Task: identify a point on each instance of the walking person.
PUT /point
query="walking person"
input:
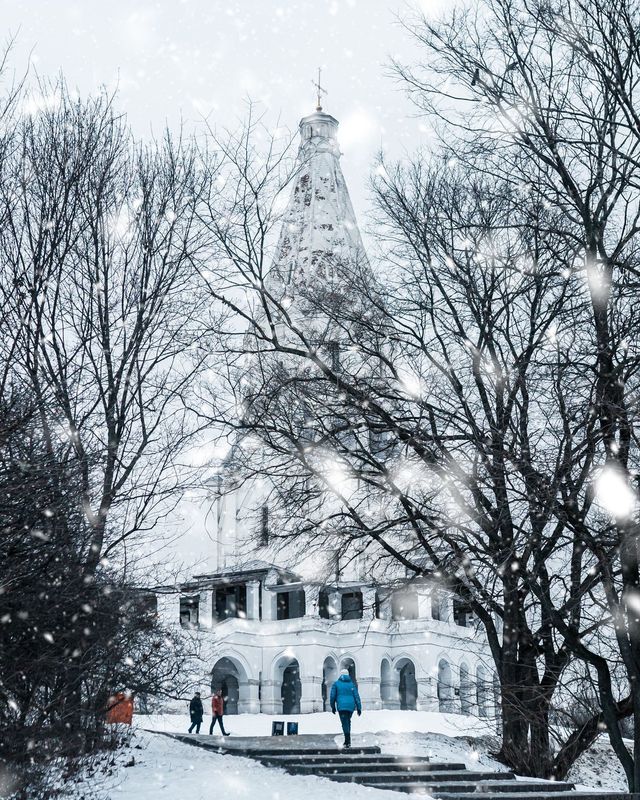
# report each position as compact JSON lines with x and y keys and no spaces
{"x":217,"y":711}
{"x":196,"y":712}
{"x":345,"y":698}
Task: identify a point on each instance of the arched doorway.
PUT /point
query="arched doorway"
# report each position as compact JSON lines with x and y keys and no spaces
{"x":350,"y":665}
{"x":229,"y":676}
{"x":291,"y":688}
{"x":481,"y":690}
{"x":407,"y":685}
{"x":445,"y":687}
{"x":329,"y":677}
{"x":465,"y":689}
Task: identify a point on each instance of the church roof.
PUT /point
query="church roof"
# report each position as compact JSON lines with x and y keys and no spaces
{"x":319,"y":243}
{"x":246,"y":570}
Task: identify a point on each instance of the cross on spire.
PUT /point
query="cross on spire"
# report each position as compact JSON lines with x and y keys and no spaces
{"x":320,"y":91}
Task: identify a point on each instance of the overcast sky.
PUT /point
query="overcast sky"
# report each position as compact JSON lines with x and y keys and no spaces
{"x":182,"y":60}
{"x":189,"y":59}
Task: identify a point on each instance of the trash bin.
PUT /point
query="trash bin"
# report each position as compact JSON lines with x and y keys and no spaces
{"x":292,"y":728}
{"x":277,"y":728}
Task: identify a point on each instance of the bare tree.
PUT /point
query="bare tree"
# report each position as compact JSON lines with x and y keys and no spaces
{"x":542,"y":96}
{"x":101,"y":346}
{"x":100,"y":249}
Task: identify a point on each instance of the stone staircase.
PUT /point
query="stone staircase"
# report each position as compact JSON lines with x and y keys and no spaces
{"x":416,"y":775}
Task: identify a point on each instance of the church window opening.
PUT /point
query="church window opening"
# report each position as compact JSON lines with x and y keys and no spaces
{"x":323,"y":605}
{"x":462,"y":613}
{"x":264,"y":525}
{"x":231,"y":601}
{"x":352,"y":605}
{"x":290,"y":605}
{"x":334,"y":355}
{"x":189,"y":611}
{"x":378,"y":606}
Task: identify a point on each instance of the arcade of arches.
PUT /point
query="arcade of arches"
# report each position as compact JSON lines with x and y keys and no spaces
{"x":399,"y":685}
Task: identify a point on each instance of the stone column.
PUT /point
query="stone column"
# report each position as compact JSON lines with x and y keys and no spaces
{"x":205,"y":618}
{"x":250,"y":702}
{"x":311,"y":696}
{"x":424,"y":602}
{"x":169,"y":607}
{"x":271,"y":699}
{"x":335,"y":605}
{"x":369,"y":690}
{"x":368,"y":602}
{"x":427,"y":693}
{"x":385,"y":605}
{"x":253,"y":600}
{"x":269,"y":604}
{"x":390,"y":688}
{"x":311,"y":603}
{"x":446,"y":607}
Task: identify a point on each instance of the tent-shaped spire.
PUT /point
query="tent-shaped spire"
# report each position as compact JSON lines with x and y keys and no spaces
{"x":320,"y":242}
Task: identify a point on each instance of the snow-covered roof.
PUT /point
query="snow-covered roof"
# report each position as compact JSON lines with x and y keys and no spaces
{"x":243,"y":571}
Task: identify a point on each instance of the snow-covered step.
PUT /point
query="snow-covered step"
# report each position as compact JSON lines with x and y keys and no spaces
{"x":539,"y":792}
{"x":396,"y":776}
{"x":267,"y":746}
{"x":318,"y":755}
{"x":448,"y":790}
{"x":364,"y":764}
{"x":351,"y":757}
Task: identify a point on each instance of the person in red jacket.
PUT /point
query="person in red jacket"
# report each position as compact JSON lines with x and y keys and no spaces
{"x":217,"y":711}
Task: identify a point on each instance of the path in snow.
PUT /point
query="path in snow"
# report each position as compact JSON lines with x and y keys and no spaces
{"x":325,"y":722}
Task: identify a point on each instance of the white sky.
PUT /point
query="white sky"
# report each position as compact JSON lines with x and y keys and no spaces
{"x":186,"y":59}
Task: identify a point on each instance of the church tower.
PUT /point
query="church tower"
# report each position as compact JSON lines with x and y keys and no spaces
{"x":320,"y":245}
{"x":317,"y":262}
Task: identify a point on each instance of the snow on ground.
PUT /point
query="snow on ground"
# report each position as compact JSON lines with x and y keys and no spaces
{"x":166,"y":769}
{"x":442,"y":737}
{"x":599,"y":768}
{"x":325,"y":722}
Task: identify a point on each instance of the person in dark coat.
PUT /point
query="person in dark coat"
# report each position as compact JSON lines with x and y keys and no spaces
{"x":345,"y":698}
{"x":217,"y":710}
{"x":196,"y":712}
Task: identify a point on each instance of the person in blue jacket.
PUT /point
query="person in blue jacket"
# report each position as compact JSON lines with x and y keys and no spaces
{"x":345,"y":698}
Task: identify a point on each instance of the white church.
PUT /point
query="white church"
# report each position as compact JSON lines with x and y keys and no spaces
{"x":275,"y":640}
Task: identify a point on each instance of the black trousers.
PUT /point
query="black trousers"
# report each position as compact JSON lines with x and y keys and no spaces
{"x":218,"y":719}
{"x":345,"y":721}
{"x":195,"y":724}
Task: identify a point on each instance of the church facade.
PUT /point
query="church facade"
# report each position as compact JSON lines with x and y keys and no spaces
{"x":270,"y":636}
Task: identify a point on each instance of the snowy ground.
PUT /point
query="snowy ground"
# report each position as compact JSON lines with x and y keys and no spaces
{"x":164,"y":769}
{"x":369,"y":722}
